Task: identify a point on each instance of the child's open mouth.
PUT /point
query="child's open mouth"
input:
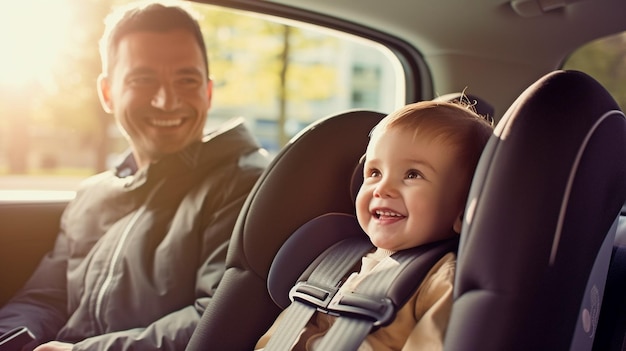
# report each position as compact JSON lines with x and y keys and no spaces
{"x":386,"y":214}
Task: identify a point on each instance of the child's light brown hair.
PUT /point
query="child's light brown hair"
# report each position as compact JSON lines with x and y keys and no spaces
{"x":453,"y":123}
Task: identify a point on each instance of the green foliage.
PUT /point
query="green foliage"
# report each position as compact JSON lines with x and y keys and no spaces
{"x":605,"y":60}
{"x":245,"y":54}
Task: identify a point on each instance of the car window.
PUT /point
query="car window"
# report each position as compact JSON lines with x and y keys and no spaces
{"x":605,"y":60}
{"x":279,"y":76}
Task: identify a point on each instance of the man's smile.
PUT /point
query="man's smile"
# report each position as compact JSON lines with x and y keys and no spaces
{"x":169,"y":122}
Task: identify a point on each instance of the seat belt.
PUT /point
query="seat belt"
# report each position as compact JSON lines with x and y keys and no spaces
{"x":323,"y":279}
{"x":383,"y":292}
{"x":371,"y":305}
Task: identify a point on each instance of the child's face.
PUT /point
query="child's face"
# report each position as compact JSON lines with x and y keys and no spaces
{"x":413,"y":191}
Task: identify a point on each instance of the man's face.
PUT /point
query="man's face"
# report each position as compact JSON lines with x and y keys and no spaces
{"x":413,"y":191}
{"x":158,"y":92}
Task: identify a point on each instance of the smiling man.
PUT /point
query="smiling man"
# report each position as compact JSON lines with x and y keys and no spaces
{"x":141,"y":249}
{"x":158,"y":91}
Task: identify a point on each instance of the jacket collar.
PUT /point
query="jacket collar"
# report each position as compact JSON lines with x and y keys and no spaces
{"x":230,"y":138}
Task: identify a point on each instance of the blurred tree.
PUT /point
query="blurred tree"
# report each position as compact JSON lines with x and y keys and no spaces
{"x":267,"y":67}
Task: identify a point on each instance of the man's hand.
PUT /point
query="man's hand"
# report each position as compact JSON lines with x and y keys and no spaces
{"x":54,"y":346}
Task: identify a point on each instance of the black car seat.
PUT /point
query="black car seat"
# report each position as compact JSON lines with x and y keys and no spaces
{"x":540,"y":221}
{"x":309,"y":177}
{"x":309,"y":267}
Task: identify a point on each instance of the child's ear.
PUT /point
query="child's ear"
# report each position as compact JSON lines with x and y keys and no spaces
{"x":458,"y":223}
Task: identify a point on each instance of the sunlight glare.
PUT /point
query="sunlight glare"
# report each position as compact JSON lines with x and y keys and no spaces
{"x":32,"y":37}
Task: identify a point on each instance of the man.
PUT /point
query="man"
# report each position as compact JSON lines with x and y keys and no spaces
{"x":142,"y":247}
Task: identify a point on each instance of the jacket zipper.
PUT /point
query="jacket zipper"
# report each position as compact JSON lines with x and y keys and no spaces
{"x":116,"y":256}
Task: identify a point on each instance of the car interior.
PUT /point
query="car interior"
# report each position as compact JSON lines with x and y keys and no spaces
{"x":542,"y":254}
{"x":534,"y":250}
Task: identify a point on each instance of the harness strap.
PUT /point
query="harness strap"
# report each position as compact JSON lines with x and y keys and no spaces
{"x":295,"y":318}
{"x":316,"y":292}
{"x":380,"y":294}
{"x":372,"y":304}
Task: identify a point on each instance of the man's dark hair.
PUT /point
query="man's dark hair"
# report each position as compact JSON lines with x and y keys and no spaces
{"x":146,"y":17}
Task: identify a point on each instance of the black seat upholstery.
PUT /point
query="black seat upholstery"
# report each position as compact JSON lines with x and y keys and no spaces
{"x":309,"y":177}
{"x":611,"y":333}
{"x":541,"y":220}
